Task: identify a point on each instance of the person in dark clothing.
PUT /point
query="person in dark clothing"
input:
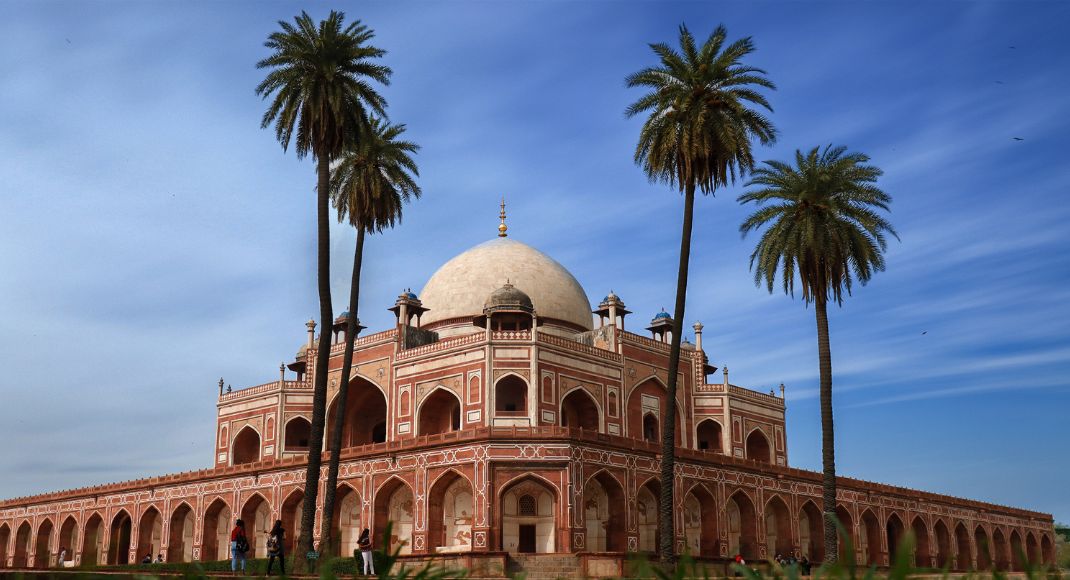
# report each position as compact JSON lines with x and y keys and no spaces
{"x":275,"y":547}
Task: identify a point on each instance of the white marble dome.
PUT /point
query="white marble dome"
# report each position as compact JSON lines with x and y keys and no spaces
{"x":460,"y":288}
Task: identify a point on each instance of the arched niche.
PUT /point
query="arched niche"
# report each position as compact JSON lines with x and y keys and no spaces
{"x":811,"y":532}
{"x":511,"y":396}
{"x":180,"y":536}
{"x":119,"y":542}
{"x":708,"y":436}
{"x":450,"y":511}
{"x":700,"y":522}
{"x":742,"y":526}
{"x":440,"y":412}
{"x":246,"y":447}
{"x":365,"y":414}
{"x":394,"y":503}
{"x":298,"y":433}
{"x":757,"y":447}
{"x":256,"y":513}
{"x":215,"y":537}
{"x":579,"y":411}
{"x":604,"y":511}
{"x":777,"y":527}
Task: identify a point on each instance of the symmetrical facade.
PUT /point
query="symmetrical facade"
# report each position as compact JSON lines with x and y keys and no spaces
{"x":497,"y":417}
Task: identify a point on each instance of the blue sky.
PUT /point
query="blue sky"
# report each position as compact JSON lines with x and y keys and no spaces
{"x":154,"y":238}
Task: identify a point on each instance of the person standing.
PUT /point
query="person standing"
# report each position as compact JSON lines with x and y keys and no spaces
{"x":239,"y":545}
{"x":364,"y":542}
{"x":275,"y":549}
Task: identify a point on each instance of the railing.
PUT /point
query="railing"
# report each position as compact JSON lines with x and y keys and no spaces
{"x":749,"y":394}
{"x":644,"y":341}
{"x":448,"y":343}
{"x":510,"y":335}
{"x":265,"y":388}
{"x":360,"y":341}
{"x":580,"y":347}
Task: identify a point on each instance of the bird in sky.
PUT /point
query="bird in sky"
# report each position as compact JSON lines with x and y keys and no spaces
{"x":1018,"y":139}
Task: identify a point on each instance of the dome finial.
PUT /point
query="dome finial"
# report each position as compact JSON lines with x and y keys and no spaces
{"x":502,"y":228}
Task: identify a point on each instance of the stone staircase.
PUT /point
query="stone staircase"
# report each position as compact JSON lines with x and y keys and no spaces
{"x":545,"y":566}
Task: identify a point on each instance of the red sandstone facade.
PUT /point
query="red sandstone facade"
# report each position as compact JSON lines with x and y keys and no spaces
{"x":515,"y":430}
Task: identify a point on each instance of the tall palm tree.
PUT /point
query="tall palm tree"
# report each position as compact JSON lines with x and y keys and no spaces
{"x":318,"y":81}
{"x":698,"y":137}
{"x":371,"y":182}
{"x":824,"y":231}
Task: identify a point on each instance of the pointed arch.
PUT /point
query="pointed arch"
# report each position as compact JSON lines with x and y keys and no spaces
{"x":245,"y":448}
{"x":346,"y":521}
{"x":180,"y":536}
{"x":580,"y":410}
{"x":700,"y":522}
{"x":777,"y":526}
{"x":757,"y":446}
{"x":511,"y":395}
{"x":984,"y":548}
{"x":150,"y":533}
{"x":528,"y":515}
{"x":215,"y":530}
{"x":439,"y":412}
{"x":709,"y":435}
{"x":256,"y":513}
{"x":43,"y":547}
{"x":297,"y":433}
{"x":846,"y":550}
{"x":93,"y":540}
{"x":869,"y":538}
{"x":811,"y":531}
{"x":366,"y":412}
{"x":22,"y":545}
{"x":394,"y":503}
{"x":742,"y":525}
{"x":1000,"y":551}
{"x":1032,"y":550}
{"x":894,"y":530}
{"x":922,"y":543}
{"x":5,"y":538}
{"x":1047,"y":550}
{"x":68,"y":539}
{"x":942,"y":536}
{"x":119,"y":542}
{"x":604,"y":512}
{"x":291,"y":518}
{"x":648,"y":505}
{"x":1019,"y":559}
{"x":450,"y":513}
{"x":964,"y":553}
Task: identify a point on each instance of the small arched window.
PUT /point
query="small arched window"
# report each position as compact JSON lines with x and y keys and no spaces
{"x":528,"y":507}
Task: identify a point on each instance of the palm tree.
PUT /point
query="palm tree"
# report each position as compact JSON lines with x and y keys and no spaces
{"x":371,"y":182}
{"x":697,"y":137}
{"x":824,"y":230}
{"x":318,"y":80}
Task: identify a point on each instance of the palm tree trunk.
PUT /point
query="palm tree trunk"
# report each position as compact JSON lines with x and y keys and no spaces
{"x":828,"y":449}
{"x":323,"y":354}
{"x":666,"y":524}
{"x":327,"y":531}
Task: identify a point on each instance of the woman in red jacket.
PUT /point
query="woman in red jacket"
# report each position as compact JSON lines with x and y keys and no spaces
{"x":239,"y":544}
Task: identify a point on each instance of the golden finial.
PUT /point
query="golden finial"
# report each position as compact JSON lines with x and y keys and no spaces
{"x":502,"y":228}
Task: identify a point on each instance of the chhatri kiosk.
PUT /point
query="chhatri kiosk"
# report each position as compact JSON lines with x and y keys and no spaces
{"x":499,"y":422}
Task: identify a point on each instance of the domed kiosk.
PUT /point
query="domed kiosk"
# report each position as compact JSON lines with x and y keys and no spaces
{"x":457,"y":293}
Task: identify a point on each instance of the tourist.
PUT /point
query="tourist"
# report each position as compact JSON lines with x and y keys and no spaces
{"x":365,"y":545}
{"x":159,"y":558}
{"x":805,"y":565}
{"x":239,"y":545}
{"x":62,"y":556}
{"x":780,"y":560}
{"x":275,"y":544}
{"x":147,"y":559}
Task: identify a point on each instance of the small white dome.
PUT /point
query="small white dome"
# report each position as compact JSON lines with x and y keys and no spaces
{"x":461,"y":286}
